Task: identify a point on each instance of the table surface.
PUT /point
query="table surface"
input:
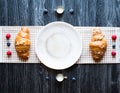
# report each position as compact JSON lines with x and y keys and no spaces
{"x":36,"y":78}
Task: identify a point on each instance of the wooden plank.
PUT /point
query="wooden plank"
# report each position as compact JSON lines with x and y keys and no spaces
{"x":3,"y":12}
{"x":35,"y":12}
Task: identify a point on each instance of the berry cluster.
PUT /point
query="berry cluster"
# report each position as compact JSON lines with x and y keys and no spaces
{"x":8,"y":53}
{"x":113,"y":53}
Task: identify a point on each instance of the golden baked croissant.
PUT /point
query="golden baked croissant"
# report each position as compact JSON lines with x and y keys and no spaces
{"x":98,"y":44}
{"x":22,"y":43}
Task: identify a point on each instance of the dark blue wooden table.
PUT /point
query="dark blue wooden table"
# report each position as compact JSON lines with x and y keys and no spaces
{"x":36,"y":78}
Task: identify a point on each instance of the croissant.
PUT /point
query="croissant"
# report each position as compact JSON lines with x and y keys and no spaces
{"x":98,"y":44}
{"x":22,"y":43}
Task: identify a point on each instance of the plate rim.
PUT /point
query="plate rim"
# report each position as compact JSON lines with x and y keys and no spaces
{"x":63,"y":23}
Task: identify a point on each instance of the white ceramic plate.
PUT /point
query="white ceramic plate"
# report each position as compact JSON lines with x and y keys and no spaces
{"x":58,"y":45}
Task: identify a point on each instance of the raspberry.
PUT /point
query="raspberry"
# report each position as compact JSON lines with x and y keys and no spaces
{"x":8,"y":36}
{"x":113,"y":53}
{"x":114,"y":37}
{"x":9,"y":53}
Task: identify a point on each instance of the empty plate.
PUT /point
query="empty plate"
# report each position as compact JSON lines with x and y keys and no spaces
{"x":58,"y":45}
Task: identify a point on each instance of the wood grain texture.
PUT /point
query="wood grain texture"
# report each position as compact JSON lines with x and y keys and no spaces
{"x":31,"y":78}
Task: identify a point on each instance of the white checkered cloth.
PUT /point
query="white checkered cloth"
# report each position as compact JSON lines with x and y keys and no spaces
{"x":85,"y":33}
